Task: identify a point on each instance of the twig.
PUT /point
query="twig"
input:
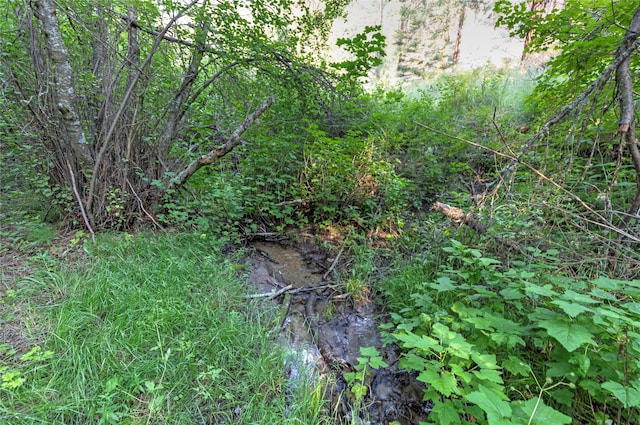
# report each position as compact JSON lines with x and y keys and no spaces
{"x":125,"y":101}
{"x":271,"y":295}
{"x":604,"y":223}
{"x":142,"y":206}
{"x":333,"y":264}
{"x":84,"y":213}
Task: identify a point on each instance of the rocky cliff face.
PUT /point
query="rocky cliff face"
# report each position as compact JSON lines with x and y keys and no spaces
{"x":424,"y":36}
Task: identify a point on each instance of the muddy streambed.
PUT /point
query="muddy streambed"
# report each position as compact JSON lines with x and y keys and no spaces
{"x":324,"y":331}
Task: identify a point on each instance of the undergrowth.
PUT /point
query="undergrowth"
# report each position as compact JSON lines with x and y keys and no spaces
{"x":523,"y":344}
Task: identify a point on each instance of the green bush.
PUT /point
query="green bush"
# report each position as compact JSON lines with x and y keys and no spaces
{"x":520,"y":345}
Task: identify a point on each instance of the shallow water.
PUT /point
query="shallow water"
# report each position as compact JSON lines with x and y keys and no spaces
{"x":325,"y":333}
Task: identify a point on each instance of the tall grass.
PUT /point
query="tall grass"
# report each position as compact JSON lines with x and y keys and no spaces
{"x":151,"y":330}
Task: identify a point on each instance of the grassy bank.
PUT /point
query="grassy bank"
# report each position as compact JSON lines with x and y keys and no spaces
{"x":145,"y":330}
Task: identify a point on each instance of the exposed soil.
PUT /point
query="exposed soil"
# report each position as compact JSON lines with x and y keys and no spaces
{"x":323,"y":325}
{"x":13,"y":329}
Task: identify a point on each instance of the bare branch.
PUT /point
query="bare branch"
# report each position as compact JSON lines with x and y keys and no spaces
{"x":604,"y":223}
{"x":79,"y":199}
{"x":601,"y":80}
{"x":233,"y":141}
{"x":125,"y":101}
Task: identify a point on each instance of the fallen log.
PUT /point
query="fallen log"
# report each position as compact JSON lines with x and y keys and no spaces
{"x":458,"y":216}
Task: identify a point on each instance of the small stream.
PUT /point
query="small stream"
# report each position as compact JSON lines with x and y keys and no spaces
{"x":325,"y":331}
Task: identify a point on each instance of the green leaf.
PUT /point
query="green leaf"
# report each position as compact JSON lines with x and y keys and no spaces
{"x":498,"y":411}
{"x":445,"y":383}
{"x":454,"y":343}
{"x":369,"y":351}
{"x":628,"y":396}
{"x":570,"y":335}
{"x":516,"y":366}
{"x":538,"y":413}
{"x":559,"y":369}
{"x":632,"y":307}
{"x":444,"y":284}
{"x":581,"y":298}
{"x":591,"y":386}
{"x":485,"y":361}
{"x":544,"y":291}
{"x":423,"y":342}
{"x":372,"y":357}
{"x":377,"y":362}
{"x":512,"y":294}
{"x":583,"y":362}
{"x":571,"y":308}
{"x":411,"y":361}
{"x":489,"y":375}
{"x":446,"y":413}
{"x":459,"y":371}
{"x":600,"y":293}
{"x":606,"y":283}
{"x":563,"y":395}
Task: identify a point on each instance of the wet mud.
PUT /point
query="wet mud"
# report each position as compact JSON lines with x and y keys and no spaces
{"x":325,"y":330}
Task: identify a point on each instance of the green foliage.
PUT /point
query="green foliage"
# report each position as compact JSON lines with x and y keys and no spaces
{"x":368,"y":47}
{"x":522,"y":345}
{"x":358,"y":380}
{"x":585,"y":35}
{"x":348,"y":180}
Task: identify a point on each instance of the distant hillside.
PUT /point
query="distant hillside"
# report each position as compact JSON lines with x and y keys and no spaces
{"x":425,"y":36}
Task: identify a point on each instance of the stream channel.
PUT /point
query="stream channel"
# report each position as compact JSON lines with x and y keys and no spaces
{"x":324,"y":330}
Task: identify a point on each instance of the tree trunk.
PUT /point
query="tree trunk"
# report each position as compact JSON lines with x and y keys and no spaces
{"x":63,"y":76}
{"x":461,"y":19}
{"x":627,"y":111}
{"x":177,"y":107}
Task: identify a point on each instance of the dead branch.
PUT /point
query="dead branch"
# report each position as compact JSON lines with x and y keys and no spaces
{"x":271,"y":295}
{"x":292,"y":202}
{"x":333,"y":264}
{"x":458,"y":216}
{"x":141,"y":205}
{"x":233,"y":141}
{"x":79,"y":199}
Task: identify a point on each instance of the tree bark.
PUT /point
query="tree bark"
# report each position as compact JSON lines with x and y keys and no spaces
{"x":627,"y":111}
{"x":63,"y":77}
{"x":177,"y":107}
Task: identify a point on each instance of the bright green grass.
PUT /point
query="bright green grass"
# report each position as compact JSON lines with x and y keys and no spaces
{"x":152,"y":330}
